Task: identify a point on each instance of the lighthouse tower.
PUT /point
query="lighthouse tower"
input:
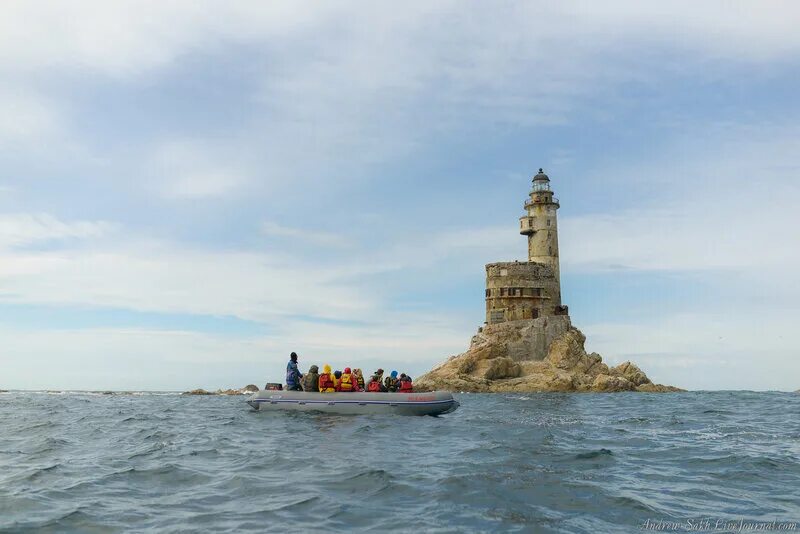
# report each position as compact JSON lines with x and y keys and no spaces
{"x":529,"y":290}
{"x":540,"y":224}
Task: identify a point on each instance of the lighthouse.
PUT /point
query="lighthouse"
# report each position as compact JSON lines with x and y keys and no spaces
{"x":529,"y":290}
{"x":540,"y":224}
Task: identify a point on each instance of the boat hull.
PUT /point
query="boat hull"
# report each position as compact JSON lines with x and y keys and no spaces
{"x":434,"y":403}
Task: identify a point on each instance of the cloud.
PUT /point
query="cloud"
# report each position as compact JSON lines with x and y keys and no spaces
{"x":26,"y":117}
{"x":25,"y":228}
{"x":193,"y":170}
{"x":726,"y":205}
{"x":309,"y":235}
{"x":705,"y":349}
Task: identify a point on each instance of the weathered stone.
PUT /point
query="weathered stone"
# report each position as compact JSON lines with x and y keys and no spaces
{"x":509,"y":357}
{"x":498,"y":368}
{"x":250,"y":388}
{"x":611,"y":383}
{"x":632,"y":373}
{"x":198,"y":392}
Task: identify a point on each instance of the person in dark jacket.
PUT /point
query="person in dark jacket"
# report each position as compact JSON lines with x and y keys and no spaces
{"x":391,"y":382}
{"x":311,"y":380}
{"x":293,"y":374}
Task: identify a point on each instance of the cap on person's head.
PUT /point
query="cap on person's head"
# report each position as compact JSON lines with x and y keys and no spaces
{"x":379,"y":371}
{"x":347,"y":370}
{"x":293,"y":355}
{"x":394,"y":374}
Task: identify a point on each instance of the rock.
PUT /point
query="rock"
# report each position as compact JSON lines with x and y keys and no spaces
{"x":612,"y":383}
{"x":632,"y":373}
{"x":657,"y":388}
{"x":250,"y":388}
{"x":545,"y":354}
{"x":498,"y":368}
{"x":198,"y":392}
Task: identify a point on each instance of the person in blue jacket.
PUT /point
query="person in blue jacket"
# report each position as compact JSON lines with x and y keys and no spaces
{"x":293,"y":374}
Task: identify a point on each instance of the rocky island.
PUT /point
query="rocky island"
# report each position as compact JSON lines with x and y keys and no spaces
{"x":528,"y":342}
{"x":545,"y":354}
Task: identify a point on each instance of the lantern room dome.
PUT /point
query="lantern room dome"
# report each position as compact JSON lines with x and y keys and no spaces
{"x":541,"y":177}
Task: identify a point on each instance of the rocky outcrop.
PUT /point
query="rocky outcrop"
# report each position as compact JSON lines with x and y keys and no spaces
{"x":545,"y":354}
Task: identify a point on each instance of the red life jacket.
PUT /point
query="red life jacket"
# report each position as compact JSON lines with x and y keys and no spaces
{"x":405,"y":386}
{"x":374,"y":386}
{"x":326,"y":383}
{"x":346,"y":383}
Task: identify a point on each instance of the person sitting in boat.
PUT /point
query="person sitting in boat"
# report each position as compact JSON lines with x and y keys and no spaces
{"x":311,"y":380}
{"x":391,"y":382}
{"x":376,"y":382}
{"x":293,"y":374}
{"x":405,"y":385}
{"x":326,"y":380}
{"x":347,"y":382}
{"x":337,"y":379}
{"x":359,"y":379}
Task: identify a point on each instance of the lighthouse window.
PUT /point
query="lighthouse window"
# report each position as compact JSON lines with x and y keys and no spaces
{"x":549,"y":250}
{"x":488,"y":292}
{"x":548,"y":222}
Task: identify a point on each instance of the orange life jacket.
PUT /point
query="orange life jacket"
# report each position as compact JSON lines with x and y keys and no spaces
{"x":405,"y":386}
{"x":374,"y":386}
{"x":346,"y":382}
{"x":326,"y":383}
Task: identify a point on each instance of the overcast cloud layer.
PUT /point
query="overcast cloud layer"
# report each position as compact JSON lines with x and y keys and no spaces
{"x":191,"y":190}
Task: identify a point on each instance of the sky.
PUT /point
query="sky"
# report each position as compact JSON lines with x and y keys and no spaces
{"x":191,"y":190}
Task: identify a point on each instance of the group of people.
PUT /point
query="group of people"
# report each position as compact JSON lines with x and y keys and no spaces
{"x":345,"y":381}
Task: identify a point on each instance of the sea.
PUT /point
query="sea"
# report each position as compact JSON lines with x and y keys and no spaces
{"x":549,"y":462}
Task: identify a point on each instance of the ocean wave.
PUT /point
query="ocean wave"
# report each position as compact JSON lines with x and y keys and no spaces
{"x":162,"y":462}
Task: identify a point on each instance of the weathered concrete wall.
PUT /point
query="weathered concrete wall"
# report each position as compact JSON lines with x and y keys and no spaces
{"x":543,"y":242}
{"x":518,"y":291}
{"x":540,"y":224}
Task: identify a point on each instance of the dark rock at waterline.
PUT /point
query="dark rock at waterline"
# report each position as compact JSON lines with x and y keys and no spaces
{"x":197,"y":392}
{"x":250,"y":388}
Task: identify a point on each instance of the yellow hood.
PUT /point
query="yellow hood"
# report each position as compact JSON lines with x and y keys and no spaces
{"x":326,"y":369}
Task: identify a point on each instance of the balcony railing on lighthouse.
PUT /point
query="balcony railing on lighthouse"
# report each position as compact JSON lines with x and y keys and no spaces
{"x":531,"y":202}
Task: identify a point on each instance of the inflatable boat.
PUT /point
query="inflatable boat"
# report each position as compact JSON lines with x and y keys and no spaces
{"x":435,"y":403}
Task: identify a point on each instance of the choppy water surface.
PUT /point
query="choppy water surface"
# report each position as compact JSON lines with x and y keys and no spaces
{"x":538,"y":462}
